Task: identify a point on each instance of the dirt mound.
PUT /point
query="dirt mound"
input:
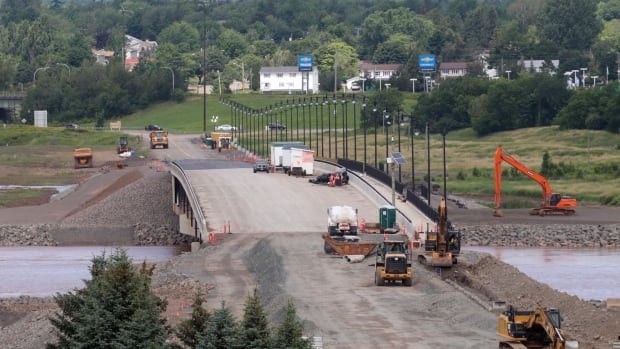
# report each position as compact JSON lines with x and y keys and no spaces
{"x":590,"y":324}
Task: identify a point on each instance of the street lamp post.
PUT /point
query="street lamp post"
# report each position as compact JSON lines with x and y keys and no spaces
{"x":583,"y":76}
{"x":413,"y":84}
{"x":508,"y":72}
{"x":385,"y":130}
{"x":374,"y":118}
{"x":34,"y":76}
{"x":66,"y":66}
{"x":575,"y":71}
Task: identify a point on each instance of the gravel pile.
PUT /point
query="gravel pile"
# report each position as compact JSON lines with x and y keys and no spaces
{"x":556,"y":235}
{"x":29,"y":235}
{"x":142,"y":208}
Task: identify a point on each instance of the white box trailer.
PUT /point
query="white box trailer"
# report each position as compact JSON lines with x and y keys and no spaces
{"x":302,"y":162}
{"x":286,"y":154}
{"x":276,"y":151}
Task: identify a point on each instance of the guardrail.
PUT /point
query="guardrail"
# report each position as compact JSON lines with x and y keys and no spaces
{"x":200,"y":220}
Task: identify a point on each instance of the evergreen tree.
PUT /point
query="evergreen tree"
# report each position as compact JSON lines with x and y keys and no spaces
{"x":290,"y":332}
{"x":255,"y":327}
{"x":115,"y":309}
{"x":221,"y":331}
{"x":189,"y":330}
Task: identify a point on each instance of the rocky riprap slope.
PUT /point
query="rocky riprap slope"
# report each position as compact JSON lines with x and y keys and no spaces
{"x":142,"y":207}
{"x":549,"y":235}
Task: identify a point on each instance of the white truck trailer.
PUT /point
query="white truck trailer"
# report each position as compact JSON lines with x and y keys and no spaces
{"x":276,"y":152}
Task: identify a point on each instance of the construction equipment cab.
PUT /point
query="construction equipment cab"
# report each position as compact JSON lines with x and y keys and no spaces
{"x":540,"y":328}
{"x":552,"y":204}
{"x":123,"y":145}
{"x":393,"y":263}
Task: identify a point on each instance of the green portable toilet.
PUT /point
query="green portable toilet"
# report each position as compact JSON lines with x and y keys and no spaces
{"x":387,"y":216}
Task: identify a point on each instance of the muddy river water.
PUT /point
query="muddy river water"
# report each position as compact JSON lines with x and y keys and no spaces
{"x":44,"y":271}
{"x":590,"y":274}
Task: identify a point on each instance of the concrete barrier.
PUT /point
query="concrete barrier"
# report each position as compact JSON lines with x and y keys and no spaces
{"x":195,"y":246}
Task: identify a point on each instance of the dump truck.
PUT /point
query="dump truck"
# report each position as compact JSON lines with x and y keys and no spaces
{"x":348,"y":246}
{"x":539,"y":328}
{"x":221,"y":140}
{"x":159,"y":138}
{"x":393,"y":263}
{"x":83,"y":157}
{"x":341,"y":220}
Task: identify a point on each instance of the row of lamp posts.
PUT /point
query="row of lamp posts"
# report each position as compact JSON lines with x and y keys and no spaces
{"x":252,"y":132}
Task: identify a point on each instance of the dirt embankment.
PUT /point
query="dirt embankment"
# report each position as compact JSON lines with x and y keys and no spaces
{"x":273,"y":264}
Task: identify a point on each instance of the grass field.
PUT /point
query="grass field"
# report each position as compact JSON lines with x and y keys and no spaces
{"x":593,"y":157}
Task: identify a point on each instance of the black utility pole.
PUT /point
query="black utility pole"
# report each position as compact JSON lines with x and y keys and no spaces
{"x":445,"y":190}
{"x":204,"y":71}
{"x":428,"y":162}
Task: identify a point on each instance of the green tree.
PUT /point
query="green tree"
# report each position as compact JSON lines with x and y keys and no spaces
{"x":572,"y":24}
{"x":380,"y":25}
{"x":339,"y":58}
{"x":19,"y":10}
{"x":254,"y":326}
{"x":188,"y":330}
{"x":182,"y":35}
{"x":115,"y":309}
{"x":221,"y":331}
{"x":289,"y":334}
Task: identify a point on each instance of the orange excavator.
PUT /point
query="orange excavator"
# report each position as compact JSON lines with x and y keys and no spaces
{"x":553,"y":203}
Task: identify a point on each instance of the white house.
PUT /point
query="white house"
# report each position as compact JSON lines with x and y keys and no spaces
{"x":449,"y":70}
{"x":288,"y":79}
{"x":381,"y":72}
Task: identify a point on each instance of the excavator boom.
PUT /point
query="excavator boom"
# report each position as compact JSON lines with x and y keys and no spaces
{"x":553,"y":204}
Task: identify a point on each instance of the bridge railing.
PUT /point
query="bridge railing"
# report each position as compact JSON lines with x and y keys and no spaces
{"x":200,"y":220}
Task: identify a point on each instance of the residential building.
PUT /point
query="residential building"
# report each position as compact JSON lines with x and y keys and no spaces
{"x":449,"y":70}
{"x":288,"y":79}
{"x":102,"y":56}
{"x":380,"y":72}
{"x":539,"y":66}
{"x":136,"y":49}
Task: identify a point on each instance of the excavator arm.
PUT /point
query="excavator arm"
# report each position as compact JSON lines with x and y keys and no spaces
{"x":552,"y":203}
{"x":500,"y":156}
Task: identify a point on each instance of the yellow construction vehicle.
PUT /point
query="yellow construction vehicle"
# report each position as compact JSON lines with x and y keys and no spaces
{"x":540,"y":328}
{"x":442,"y":246}
{"x":393,"y":263}
{"x":83,"y":157}
{"x":159,"y":138}
{"x":123,"y":145}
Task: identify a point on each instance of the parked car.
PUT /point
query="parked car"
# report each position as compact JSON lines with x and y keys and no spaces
{"x":72,"y":126}
{"x":152,"y":128}
{"x":225,"y":128}
{"x":275,"y":126}
{"x":261,"y":165}
{"x":355,"y":86}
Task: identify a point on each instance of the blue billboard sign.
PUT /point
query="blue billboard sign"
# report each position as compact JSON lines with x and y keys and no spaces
{"x":427,"y":62}
{"x":304,"y":62}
